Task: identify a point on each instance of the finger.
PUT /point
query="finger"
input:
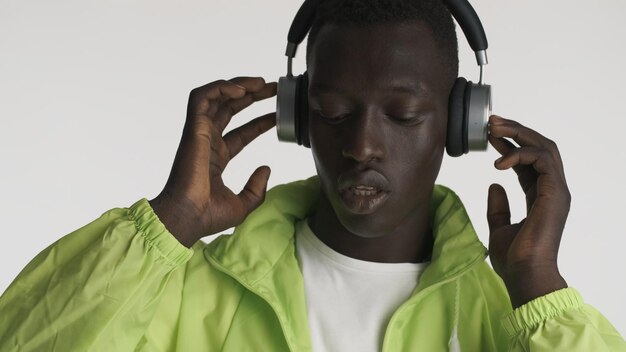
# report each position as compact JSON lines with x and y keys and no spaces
{"x":230,"y":108}
{"x":203,"y":101}
{"x":503,"y":146}
{"x":540,"y":159}
{"x":253,"y":193}
{"x":252,"y":84}
{"x":238,"y":138}
{"x":198,"y":142}
{"x":498,"y":212}
{"x":247,"y":84}
{"x":524,"y":136}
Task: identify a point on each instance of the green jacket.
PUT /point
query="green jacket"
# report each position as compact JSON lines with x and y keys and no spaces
{"x":124,"y":283}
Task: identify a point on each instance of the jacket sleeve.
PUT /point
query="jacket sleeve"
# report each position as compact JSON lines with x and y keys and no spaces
{"x":561,"y":321}
{"x":95,"y":289}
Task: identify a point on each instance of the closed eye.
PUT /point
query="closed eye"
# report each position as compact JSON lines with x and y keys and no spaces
{"x":331,"y":118}
{"x":409,"y":118}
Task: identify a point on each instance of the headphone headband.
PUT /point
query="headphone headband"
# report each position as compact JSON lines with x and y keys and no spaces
{"x":461,"y":10}
{"x":302,"y":22}
{"x":468,"y":19}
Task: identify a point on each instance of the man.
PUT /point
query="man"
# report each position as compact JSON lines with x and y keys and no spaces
{"x":379,"y":85}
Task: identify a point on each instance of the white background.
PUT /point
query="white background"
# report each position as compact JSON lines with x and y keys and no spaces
{"x":93,"y":97}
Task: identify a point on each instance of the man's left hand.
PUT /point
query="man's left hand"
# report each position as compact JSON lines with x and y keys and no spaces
{"x":524,"y":254}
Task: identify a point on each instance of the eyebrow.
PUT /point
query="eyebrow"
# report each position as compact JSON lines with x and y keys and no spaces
{"x":418,"y":90}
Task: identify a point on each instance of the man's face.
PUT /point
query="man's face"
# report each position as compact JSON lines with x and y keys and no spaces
{"x":378,"y":112}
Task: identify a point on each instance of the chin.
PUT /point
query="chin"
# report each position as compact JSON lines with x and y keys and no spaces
{"x":373,"y":225}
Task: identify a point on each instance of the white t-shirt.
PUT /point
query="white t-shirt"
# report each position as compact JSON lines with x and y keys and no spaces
{"x":349,"y":301}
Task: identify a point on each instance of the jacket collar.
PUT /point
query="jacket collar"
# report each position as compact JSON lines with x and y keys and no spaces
{"x":261,"y":252}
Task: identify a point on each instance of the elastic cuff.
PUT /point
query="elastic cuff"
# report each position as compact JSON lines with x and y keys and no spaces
{"x":540,"y":309}
{"x":157,"y":236}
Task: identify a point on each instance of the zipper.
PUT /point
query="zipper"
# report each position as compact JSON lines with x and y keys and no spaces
{"x":423,"y":292}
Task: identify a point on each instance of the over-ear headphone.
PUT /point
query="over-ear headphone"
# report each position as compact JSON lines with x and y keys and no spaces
{"x":469,"y":104}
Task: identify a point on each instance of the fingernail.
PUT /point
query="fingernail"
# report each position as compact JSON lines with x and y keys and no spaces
{"x":242,"y":87}
{"x":499,"y":159}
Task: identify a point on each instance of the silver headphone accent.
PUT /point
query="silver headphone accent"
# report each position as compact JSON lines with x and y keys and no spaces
{"x":479,"y":108}
{"x":286,"y":96}
{"x":286,"y":127}
{"x":479,"y":111}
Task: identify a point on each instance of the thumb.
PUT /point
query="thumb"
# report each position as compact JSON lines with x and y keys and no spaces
{"x":253,"y":193}
{"x":498,"y":212}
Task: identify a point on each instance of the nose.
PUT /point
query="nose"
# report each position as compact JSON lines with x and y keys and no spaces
{"x":364,"y":139}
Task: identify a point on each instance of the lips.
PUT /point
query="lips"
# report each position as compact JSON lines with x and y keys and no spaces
{"x":363,"y":192}
{"x":364,"y":181}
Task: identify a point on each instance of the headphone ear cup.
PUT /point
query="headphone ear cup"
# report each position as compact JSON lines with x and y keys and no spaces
{"x":456,"y":135}
{"x":285,"y":109}
{"x":466,"y":116}
{"x":301,"y":110}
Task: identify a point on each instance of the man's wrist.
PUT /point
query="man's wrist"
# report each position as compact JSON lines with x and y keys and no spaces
{"x":525,"y":285}
{"x":170,"y":217}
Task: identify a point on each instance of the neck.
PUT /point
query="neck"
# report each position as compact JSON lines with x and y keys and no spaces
{"x":409,"y":242}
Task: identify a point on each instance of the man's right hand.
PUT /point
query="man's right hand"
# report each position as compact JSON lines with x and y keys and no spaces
{"x":195,"y":202}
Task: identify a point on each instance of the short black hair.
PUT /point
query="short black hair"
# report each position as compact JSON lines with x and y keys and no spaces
{"x":433,"y":13}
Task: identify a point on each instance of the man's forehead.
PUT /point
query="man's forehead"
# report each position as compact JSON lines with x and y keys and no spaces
{"x":394,"y":58}
{"x":380,"y":38}
{"x":398,"y":87}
